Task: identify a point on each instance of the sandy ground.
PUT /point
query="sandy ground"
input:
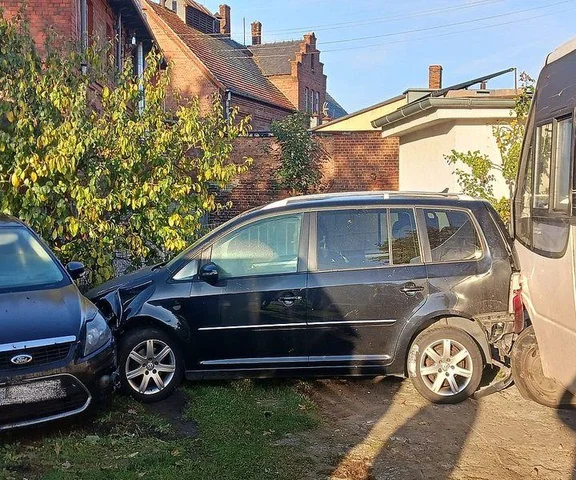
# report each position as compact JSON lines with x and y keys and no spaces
{"x":383,"y":429}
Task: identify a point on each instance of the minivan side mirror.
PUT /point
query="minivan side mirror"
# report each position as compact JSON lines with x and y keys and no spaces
{"x":76,"y":270}
{"x":209,"y":273}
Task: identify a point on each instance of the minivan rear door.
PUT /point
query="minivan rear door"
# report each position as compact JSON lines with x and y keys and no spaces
{"x":366,"y":280}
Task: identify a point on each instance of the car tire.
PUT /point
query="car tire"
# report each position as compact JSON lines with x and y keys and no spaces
{"x":445,"y":364}
{"x":529,"y":376}
{"x":150,"y":364}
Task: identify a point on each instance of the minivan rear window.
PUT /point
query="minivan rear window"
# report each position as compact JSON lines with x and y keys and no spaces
{"x":452,"y":236}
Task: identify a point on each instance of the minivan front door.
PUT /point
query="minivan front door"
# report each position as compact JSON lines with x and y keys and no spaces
{"x":254,"y":315}
{"x":367,"y":280}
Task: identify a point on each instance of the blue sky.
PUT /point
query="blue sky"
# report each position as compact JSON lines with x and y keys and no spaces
{"x":399,"y":39}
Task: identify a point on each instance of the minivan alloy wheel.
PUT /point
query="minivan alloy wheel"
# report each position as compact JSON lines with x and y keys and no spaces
{"x":150,"y":366}
{"x":446,"y":367}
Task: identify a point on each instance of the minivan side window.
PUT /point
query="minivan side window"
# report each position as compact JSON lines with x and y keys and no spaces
{"x":352,"y":239}
{"x":266,"y":247}
{"x":452,"y":236}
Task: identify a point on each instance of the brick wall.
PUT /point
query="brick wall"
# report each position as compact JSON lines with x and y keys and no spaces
{"x":355,"y":162}
{"x":45,"y":15}
{"x":187,"y":75}
{"x":62,"y":18}
{"x":260,"y":113}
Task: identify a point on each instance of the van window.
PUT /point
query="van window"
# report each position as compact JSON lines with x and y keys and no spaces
{"x":352,"y":239}
{"x":563,"y":143}
{"x":405,"y":248}
{"x":265,"y":247}
{"x":452,"y":236}
{"x":542,"y":166}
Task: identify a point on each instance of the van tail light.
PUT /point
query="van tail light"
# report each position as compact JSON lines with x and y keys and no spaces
{"x":517,"y":304}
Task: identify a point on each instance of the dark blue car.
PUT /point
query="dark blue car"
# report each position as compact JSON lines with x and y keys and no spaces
{"x":57,"y":353}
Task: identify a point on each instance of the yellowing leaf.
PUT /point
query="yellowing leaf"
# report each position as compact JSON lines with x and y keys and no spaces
{"x":10,"y":116}
{"x":15,"y":180}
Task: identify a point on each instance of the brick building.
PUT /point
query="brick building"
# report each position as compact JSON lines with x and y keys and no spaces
{"x":119,"y":23}
{"x":266,"y":81}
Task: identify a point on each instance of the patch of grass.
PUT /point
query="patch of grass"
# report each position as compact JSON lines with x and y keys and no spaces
{"x":247,"y":431}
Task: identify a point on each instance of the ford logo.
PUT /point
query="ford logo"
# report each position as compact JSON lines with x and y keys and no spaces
{"x":21,"y":359}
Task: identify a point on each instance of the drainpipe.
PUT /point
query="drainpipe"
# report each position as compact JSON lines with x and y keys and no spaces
{"x":83,"y":25}
{"x":140,"y":73}
{"x":83,"y":35}
{"x":228,"y":95}
{"x":119,"y":52}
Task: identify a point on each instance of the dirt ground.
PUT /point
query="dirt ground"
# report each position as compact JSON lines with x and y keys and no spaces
{"x":382,"y":429}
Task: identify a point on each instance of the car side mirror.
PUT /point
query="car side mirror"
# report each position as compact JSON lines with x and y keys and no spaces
{"x":76,"y":270}
{"x":209,"y":273}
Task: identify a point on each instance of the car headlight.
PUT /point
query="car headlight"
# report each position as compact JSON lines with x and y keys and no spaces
{"x":98,"y":334}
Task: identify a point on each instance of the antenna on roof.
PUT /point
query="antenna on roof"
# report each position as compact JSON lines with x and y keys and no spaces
{"x":244,"y":24}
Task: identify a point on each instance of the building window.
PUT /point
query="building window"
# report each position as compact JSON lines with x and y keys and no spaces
{"x":312,"y":61}
{"x":317,"y":102}
{"x":312,"y":102}
{"x":306,"y":99}
{"x":175,"y":6}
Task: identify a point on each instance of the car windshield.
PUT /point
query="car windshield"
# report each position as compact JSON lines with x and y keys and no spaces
{"x":24,"y":261}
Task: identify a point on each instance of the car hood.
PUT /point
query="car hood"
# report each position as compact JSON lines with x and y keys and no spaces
{"x":39,"y":314}
{"x":133,"y":279}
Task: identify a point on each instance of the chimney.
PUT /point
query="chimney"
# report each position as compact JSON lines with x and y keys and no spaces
{"x":256,"y":33}
{"x":225,"y":20}
{"x":163,"y":3}
{"x":435,"y":77}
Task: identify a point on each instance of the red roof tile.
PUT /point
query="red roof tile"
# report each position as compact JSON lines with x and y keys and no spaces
{"x":231,"y":63}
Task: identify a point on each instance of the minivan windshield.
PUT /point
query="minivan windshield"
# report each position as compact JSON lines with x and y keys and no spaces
{"x":24,"y":261}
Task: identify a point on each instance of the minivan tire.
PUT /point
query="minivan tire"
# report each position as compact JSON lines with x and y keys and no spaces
{"x":445,"y":364}
{"x":165,"y":352}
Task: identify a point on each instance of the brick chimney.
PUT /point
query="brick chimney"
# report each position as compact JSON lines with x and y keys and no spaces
{"x":256,"y":33}
{"x":225,"y":20}
{"x":435,"y":77}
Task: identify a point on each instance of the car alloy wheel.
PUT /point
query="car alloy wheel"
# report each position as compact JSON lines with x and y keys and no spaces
{"x":150,"y":367}
{"x":445,"y":364}
{"x":446,"y":367}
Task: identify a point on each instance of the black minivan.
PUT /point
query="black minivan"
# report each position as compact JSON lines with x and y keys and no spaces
{"x":324,"y":285}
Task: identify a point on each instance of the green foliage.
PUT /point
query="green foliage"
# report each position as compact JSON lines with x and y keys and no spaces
{"x":301,"y":154}
{"x":477,"y":178}
{"x":112,"y":177}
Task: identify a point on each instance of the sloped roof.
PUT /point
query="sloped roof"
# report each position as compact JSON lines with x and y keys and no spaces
{"x":335,"y":110}
{"x":228,"y":61}
{"x":198,"y":6}
{"x":274,"y":58}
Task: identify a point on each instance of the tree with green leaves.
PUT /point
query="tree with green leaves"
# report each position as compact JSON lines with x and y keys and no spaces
{"x":128,"y":176}
{"x":301,"y":154}
{"x":476,"y":172}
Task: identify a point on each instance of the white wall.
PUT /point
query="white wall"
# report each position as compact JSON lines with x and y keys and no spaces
{"x":422,"y":163}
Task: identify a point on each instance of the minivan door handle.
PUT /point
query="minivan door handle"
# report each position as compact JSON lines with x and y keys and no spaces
{"x":289,"y":300}
{"x":410,"y":289}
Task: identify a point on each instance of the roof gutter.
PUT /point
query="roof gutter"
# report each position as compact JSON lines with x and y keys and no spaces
{"x":429,"y":103}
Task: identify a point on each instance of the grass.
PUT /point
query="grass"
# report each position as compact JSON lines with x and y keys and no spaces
{"x":246,"y":430}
